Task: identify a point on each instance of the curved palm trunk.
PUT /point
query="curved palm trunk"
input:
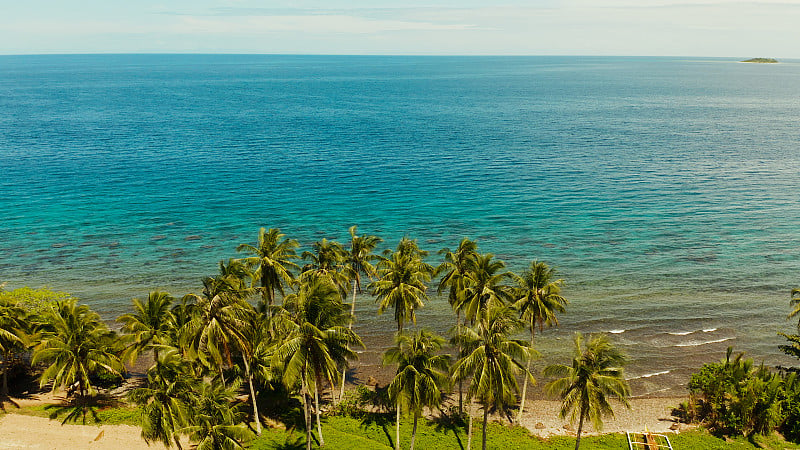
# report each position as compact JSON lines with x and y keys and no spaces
{"x":525,"y":383}
{"x":306,"y":415}
{"x":460,"y":381}
{"x":177,"y":441}
{"x":350,"y":325}
{"x":316,"y":408}
{"x":485,"y":421}
{"x":580,"y":428}
{"x":6,"y":366}
{"x":252,"y":395}
{"x":469,"y":427}
{"x":414,"y":430}
{"x":397,"y":430}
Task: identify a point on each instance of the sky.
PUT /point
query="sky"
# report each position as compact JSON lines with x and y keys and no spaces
{"x":724,"y":28}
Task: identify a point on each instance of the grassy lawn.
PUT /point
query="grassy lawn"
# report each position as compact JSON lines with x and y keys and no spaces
{"x":96,"y":415}
{"x":354,"y":434}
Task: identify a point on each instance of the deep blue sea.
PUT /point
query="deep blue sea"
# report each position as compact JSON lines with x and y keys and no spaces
{"x":664,"y":190}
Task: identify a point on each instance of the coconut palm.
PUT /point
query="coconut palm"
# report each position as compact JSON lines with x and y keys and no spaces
{"x":484,"y":287}
{"x":215,"y":330}
{"x":358,"y":261}
{"x":256,"y":350}
{"x":538,"y":298}
{"x":327,"y":260}
{"x":401,"y":282}
{"x":150,"y":326}
{"x":421,"y":375}
{"x":272,"y":259}
{"x":76,"y":348}
{"x":166,"y":400}
{"x":317,"y":344}
{"x":795,"y":302}
{"x":585,"y":387}
{"x":12,"y":323}
{"x":454,"y":269}
{"x":493,"y":361}
{"x":216,"y":422}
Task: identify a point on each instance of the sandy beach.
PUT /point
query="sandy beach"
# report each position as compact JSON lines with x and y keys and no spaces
{"x":25,"y":432}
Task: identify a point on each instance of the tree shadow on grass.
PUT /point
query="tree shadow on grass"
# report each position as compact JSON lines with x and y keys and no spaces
{"x":292,"y":443}
{"x":449,"y":422}
{"x":381,"y":420}
{"x":73,"y":410}
{"x":277,"y":404}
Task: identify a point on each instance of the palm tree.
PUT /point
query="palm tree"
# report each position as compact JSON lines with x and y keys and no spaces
{"x":455,"y":267}
{"x":537,"y":298}
{"x":327,"y":260}
{"x":484,"y":287}
{"x":150,"y":325}
{"x":12,"y":323}
{"x":256,"y":349}
{"x":75,"y":348}
{"x":493,"y":362}
{"x":358,"y":261}
{"x":595,"y":375}
{"x":216,"y":422}
{"x":402,"y":282}
{"x":272,"y":258}
{"x":165,"y":401}
{"x":421,"y":375}
{"x":215,"y":330}
{"x":317,"y":344}
{"x":795,"y":302}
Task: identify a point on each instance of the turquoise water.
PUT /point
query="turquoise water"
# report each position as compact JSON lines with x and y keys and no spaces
{"x":664,"y":190}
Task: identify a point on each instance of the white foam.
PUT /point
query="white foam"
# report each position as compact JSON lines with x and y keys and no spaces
{"x":696,"y":343}
{"x":709,"y":330}
{"x":648,"y":375}
{"x":680,"y":333}
{"x":616,"y":331}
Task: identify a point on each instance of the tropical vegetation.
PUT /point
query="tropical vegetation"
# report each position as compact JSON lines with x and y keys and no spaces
{"x":270,"y":337}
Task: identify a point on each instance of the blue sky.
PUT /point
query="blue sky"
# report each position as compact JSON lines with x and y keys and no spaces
{"x":535,"y":27}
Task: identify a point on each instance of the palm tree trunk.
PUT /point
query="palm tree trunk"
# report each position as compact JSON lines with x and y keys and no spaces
{"x":306,"y":414}
{"x":177,"y":441}
{"x":252,"y":395}
{"x":397,"y":430}
{"x":525,"y":383}
{"x":580,"y":428}
{"x":414,"y":430}
{"x":485,"y":421}
{"x":460,"y":381}
{"x":469,"y":426}
{"x":316,"y":407}
{"x":265,"y":293}
{"x":6,"y":366}
{"x":350,"y":325}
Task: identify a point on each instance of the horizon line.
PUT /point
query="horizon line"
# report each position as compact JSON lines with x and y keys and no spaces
{"x":483,"y":55}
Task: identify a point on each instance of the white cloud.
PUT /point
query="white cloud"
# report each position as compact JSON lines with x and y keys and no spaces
{"x":315,"y":24}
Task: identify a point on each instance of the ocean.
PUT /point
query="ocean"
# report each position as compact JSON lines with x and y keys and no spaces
{"x":664,"y":190}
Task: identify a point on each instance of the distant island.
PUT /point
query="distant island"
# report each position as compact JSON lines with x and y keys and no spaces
{"x":761,"y":60}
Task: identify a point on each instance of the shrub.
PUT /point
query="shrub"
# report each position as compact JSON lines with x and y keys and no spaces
{"x":735,"y":397}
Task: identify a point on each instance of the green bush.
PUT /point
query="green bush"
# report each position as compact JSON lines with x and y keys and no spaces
{"x":735,"y":397}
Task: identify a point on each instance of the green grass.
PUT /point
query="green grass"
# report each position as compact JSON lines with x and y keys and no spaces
{"x":354,"y":434}
{"x":99,"y":415}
